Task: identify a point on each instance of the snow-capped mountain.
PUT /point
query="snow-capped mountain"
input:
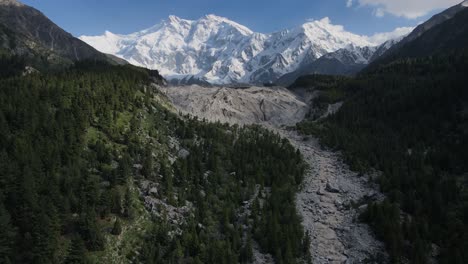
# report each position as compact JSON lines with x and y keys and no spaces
{"x":346,"y":61}
{"x":221,"y":51}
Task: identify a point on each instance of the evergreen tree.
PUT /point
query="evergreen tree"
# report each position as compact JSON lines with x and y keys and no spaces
{"x":129,"y":210}
{"x":76,"y":252}
{"x":117,"y":229}
{"x":7,"y":235}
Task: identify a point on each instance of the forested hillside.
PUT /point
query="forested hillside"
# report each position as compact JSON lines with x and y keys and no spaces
{"x":408,"y":119}
{"x":76,"y":147}
{"x":26,"y":32}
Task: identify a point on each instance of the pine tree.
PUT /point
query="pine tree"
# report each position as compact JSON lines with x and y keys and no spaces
{"x":117,"y":229}
{"x":247,"y":250}
{"x":147,"y":170}
{"x":129,"y":210}
{"x":7,"y":235}
{"x":125,"y":169}
{"x":90,"y":231}
{"x":76,"y":252}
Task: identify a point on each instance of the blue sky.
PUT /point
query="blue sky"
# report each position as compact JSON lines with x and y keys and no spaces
{"x":93,"y":17}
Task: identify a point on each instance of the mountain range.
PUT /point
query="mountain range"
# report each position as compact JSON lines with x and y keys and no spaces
{"x":217,"y":50}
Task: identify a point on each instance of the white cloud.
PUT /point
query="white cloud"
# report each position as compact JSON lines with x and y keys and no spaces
{"x":379,"y":38}
{"x":405,"y":8}
{"x":376,"y":39}
{"x":379,"y":12}
{"x":349,"y":3}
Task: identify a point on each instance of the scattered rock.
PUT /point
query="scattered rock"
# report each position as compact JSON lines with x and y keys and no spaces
{"x":183,"y":153}
{"x":153,"y":191}
{"x":371,"y":195}
{"x":331,"y":189}
{"x":362,"y":208}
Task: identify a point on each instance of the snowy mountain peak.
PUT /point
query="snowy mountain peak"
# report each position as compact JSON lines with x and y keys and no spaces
{"x":323,"y":29}
{"x":109,"y":34}
{"x":221,"y":51}
{"x":218,"y":20}
{"x":324,"y":23}
{"x":174,"y":19}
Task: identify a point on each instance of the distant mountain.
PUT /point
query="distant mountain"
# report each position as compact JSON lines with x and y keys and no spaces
{"x":26,"y":32}
{"x":347,"y":61}
{"x":344,"y":61}
{"x":221,"y":51}
{"x":350,"y":60}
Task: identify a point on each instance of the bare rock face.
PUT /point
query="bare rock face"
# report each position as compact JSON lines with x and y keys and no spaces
{"x":255,"y":105}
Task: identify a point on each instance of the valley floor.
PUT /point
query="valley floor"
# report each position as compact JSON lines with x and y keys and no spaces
{"x":329,"y":202}
{"x":331,"y":196}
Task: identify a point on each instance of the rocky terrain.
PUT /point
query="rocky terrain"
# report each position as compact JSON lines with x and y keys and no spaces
{"x":331,"y":196}
{"x":255,"y":105}
{"x":330,"y":201}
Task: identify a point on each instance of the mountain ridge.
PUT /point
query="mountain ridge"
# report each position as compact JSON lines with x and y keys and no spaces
{"x":435,"y":21}
{"x":221,"y":51}
{"x":27,"y":32}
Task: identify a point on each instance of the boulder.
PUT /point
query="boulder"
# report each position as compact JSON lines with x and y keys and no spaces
{"x":183,"y":153}
{"x":332,"y":189}
{"x":153,"y":191}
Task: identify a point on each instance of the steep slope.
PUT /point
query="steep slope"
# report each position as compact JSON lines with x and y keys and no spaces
{"x":345,"y":61}
{"x":434,"y":21}
{"x":220,"y":51}
{"x":95,"y":169}
{"x":289,"y":49}
{"x":450,"y":35}
{"x":26,"y":32}
{"x":437,"y":40}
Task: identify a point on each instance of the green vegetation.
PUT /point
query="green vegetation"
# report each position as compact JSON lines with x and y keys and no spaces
{"x":326,"y":89}
{"x":75,"y":145}
{"x":227,"y":166}
{"x":409,"y":120}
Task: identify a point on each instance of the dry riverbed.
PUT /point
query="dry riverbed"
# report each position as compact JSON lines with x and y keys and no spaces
{"x":331,"y":196}
{"x":329,"y":202}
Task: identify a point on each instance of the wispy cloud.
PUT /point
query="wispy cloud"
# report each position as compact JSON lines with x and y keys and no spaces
{"x":403,"y":8}
{"x":376,"y":39}
{"x":395,"y":34}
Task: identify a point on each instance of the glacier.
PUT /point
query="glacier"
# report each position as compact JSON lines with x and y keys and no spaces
{"x":217,"y":50}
